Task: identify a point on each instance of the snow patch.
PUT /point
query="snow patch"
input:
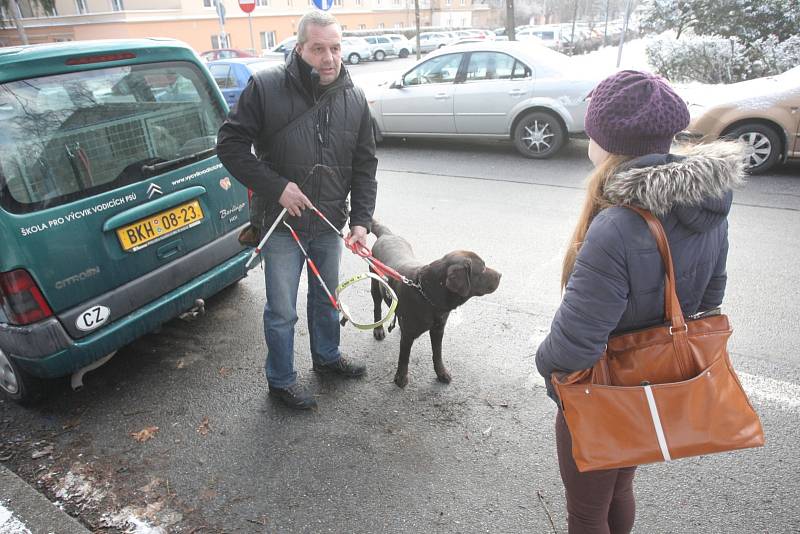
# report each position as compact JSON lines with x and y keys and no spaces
{"x":127,"y":522}
{"x":10,"y":524}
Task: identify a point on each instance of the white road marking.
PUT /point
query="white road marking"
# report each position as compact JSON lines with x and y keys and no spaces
{"x":784,"y":394}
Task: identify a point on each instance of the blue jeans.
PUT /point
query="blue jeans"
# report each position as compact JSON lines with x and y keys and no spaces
{"x":283,"y":264}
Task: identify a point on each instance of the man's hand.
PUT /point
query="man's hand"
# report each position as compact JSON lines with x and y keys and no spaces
{"x":357,"y":234}
{"x":294,"y":200}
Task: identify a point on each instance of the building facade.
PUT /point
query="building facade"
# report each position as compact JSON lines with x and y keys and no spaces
{"x":198,"y":23}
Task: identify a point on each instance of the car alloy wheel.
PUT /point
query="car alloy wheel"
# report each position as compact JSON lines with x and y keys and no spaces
{"x":380,"y":55}
{"x":353,"y":58}
{"x":18,"y":385}
{"x":762,"y":146}
{"x":538,"y":135}
{"x":8,"y":376}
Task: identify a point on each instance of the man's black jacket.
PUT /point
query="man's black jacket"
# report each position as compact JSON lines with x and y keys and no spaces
{"x":337,"y":134}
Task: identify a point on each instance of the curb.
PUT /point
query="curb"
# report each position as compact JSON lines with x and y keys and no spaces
{"x":30,"y":509}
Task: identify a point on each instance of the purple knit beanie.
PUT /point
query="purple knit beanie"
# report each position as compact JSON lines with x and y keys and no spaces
{"x":635,"y":113}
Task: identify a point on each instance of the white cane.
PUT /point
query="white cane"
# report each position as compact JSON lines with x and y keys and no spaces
{"x":257,"y":251}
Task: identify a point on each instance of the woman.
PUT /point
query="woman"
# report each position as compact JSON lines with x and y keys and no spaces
{"x":613,"y":275}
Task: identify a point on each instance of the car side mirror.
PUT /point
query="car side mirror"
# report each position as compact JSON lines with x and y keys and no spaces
{"x":397,"y":84}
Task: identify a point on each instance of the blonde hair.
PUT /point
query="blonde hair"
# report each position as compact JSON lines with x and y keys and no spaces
{"x":593,"y":204}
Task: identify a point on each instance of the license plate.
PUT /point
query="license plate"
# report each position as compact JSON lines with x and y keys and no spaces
{"x":156,"y":227}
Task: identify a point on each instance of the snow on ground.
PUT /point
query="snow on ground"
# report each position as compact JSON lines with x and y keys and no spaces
{"x":10,"y":524}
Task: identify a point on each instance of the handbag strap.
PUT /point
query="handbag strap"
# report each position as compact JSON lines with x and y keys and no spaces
{"x":672,"y":306}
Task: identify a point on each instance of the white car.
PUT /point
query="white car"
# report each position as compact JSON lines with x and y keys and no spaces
{"x":551,"y":36}
{"x":402,"y":45}
{"x":380,"y":46}
{"x":354,"y":49}
{"x":493,"y":89}
{"x":429,"y":41}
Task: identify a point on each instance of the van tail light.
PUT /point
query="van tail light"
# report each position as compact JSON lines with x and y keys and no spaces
{"x":21,"y":299}
{"x":100,"y":58}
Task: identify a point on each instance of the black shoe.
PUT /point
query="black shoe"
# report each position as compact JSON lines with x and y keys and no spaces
{"x":341,"y":367}
{"x":294,"y":396}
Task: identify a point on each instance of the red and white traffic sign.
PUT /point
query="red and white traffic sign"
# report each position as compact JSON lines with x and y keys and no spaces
{"x":247,"y":5}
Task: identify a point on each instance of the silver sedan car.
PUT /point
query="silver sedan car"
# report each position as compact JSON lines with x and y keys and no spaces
{"x":506,"y":90}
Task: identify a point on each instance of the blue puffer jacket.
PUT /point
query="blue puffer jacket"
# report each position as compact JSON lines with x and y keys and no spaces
{"x":617,"y":284}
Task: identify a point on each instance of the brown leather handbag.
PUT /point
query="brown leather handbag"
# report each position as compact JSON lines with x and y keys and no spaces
{"x":661,"y":393}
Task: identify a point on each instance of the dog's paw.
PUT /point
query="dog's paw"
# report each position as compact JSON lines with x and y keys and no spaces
{"x":379,"y":333}
{"x":401,"y":380}
{"x":443,"y":376}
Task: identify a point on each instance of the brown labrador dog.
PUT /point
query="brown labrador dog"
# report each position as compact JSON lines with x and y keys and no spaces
{"x":440,"y":287}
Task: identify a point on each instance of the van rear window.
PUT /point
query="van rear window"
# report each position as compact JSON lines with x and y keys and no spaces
{"x":71,"y":136}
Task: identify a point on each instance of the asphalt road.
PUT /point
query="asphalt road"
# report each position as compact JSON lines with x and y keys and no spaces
{"x":473,"y":456}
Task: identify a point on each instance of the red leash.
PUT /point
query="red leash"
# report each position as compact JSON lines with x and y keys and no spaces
{"x":365,"y":253}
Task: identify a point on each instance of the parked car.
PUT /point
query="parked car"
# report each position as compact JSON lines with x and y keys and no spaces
{"x":402,"y":45}
{"x":224,"y":53}
{"x":231,"y":75}
{"x":492,"y":89}
{"x":763,"y":113}
{"x":116,"y":215}
{"x":355,"y":50}
{"x":282,"y":49}
{"x":429,"y":41}
{"x":550,"y":36}
{"x":380,"y":46}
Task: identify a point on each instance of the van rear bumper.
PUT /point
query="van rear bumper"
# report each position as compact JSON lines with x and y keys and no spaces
{"x":47,"y":350}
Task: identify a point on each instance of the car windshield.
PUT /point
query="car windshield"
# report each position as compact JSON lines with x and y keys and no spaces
{"x":69,"y":136}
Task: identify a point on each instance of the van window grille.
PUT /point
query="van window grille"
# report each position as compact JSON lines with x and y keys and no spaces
{"x":74,"y":135}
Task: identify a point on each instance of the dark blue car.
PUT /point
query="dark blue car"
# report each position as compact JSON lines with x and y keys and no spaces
{"x":232,"y":74}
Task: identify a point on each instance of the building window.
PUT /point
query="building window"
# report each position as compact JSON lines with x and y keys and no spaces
{"x":398,"y":25}
{"x":463,"y":2}
{"x":358,"y":2}
{"x":344,"y":27}
{"x":337,"y":3}
{"x":80,"y":5}
{"x":267,"y":40}
{"x":362,"y":26}
{"x":448,"y":2}
{"x":396,"y":2}
{"x":208,"y":3}
{"x":217,"y":41}
{"x":116,"y":5}
{"x":262,"y":3}
{"x":380,"y":26}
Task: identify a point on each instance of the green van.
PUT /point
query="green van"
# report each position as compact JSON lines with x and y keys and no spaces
{"x":115,"y":213}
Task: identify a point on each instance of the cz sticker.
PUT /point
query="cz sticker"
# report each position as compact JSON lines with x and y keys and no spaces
{"x":92,"y":318}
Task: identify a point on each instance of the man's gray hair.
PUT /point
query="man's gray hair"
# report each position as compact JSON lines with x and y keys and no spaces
{"x":315,"y":17}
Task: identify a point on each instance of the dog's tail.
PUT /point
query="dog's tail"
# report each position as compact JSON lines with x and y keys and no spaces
{"x":378,"y":229}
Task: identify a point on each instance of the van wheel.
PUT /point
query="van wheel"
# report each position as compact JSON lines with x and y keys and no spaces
{"x":403,"y":53}
{"x":762,"y":146}
{"x":18,"y":385}
{"x":380,"y":55}
{"x":353,"y":58}
{"x":538,"y":135}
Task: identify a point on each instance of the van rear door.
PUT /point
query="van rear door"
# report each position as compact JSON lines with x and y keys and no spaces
{"x":108,"y":175}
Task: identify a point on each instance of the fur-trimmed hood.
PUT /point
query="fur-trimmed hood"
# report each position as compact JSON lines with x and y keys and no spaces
{"x":697,"y":178}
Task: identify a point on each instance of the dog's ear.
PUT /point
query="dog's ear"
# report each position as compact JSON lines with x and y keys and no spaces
{"x":458,"y":278}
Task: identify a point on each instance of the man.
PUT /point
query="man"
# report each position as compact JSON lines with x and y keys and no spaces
{"x":298,"y":115}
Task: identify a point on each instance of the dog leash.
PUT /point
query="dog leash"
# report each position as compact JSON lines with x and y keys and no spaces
{"x":336,"y":301}
{"x":383,"y":270}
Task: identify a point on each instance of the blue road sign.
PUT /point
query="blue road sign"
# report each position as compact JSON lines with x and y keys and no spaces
{"x":324,"y":5}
